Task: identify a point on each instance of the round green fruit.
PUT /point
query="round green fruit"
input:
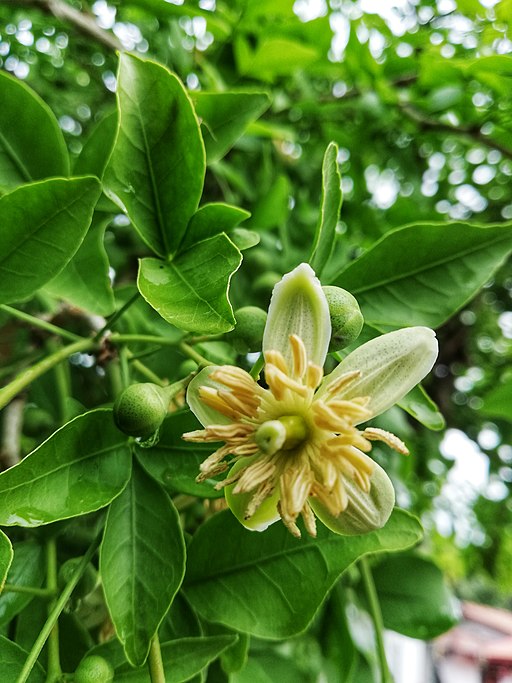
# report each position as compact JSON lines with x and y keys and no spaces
{"x":141,"y":409}
{"x":250,"y":325}
{"x":94,"y":669}
{"x":346,"y":317}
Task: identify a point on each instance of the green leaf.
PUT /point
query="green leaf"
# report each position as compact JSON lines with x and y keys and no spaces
{"x":96,"y":151}
{"x":32,"y":146}
{"x":276,"y":581}
{"x":85,"y":281}
{"x":273,"y":207}
{"x":6,"y":555}
{"x":419,"y":404}
{"x":142,"y":562}
{"x":414,"y":598}
{"x":182,"y":659}
{"x":498,"y":402}
{"x":210,"y":220}
{"x":80,"y":468}
{"x":27,"y":569}
{"x":41,"y":227}
{"x":274,"y":56}
{"x":191,"y":292}
{"x":157,"y":168}
{"x":422,"y":274}
{"x":329,"y":210}
{"x":174,"y":463}
{"x":13,"y":658}
{"x":225,"y":116}
{"x":338,"y":649}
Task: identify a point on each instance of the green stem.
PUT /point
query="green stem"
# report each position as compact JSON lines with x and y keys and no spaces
{"x":115,"y":317}
{"x":257,"y":367}
{"x":28,"y":375}
{"x":37,"y":322}
{"x":117,"y":338}
{"x":376,"y":615}
{"x":147,"y":373}
{"x":54,"y":614}
{"x":192,"y":353}
{"x":54,"y":669}
{"x":155,"y":664}
{"x":45,"y":593}
{"x":62,"y":382}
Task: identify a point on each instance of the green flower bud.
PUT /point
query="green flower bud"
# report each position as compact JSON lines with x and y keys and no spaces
{"x":346,"y":317}
{"x":248,"y":333}
{"x":366,"y":511}
{"x":94,"y":669}
{"x":87,"y":582}
{"x":141,"y":409}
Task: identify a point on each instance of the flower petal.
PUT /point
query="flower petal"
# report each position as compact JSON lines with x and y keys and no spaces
{"x":265,"y":514}
{"x":390,"y":366}
{"x":365,"y":511}
{"x":204,"y":413}
{"x":298,"y":306}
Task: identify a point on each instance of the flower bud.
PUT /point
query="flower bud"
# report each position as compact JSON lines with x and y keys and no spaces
{"x":94,"y":669}
{"x":140,"y":409}
{"x":366,"y":511}
{"x":346,"y":317}
{"x":87,"y":582}
{"x":248,"y":333}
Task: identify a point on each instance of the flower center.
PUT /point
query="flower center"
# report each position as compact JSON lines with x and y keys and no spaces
{"x":283,"y":434}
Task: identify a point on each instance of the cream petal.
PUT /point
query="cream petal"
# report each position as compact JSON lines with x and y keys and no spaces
{"x":365,"y":512}
{"x":298,"y":306}
{"x":204,"y":413}
{"x":390,"y":366}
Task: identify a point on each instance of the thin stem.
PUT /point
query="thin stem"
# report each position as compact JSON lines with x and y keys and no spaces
{"x":376,"y":615}
{"x":192,"y":353}
{"x":257,"y":367}
{"x":115,"y":317}
{"x":155,"y":663}
{"x":117,"y":338}
{"x":54,"y":668}
{"x":38,"y":322}
{"x":45,"y":593}
{"x":28,"y":375}
{"x":149,"y":374}
{"x":54,"y":614}
{"x":62,"y":382}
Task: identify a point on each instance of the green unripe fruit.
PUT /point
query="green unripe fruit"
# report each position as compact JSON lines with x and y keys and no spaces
{"x":346,"y":317}
{"x":187,"y":367}
{"x":87,"y":582}
{"x":266,"y":282}
{"x":250,"y":325}
{"x":94,"y":669}
{"x":141,"y":409}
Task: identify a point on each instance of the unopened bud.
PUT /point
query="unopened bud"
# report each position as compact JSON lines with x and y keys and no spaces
{"x":346,"y":317}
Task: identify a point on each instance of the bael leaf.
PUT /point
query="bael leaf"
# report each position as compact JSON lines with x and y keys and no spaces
{"x":6,"y":555}
{"x":85,"y":281}
{"x":80,"y":468}
{"x":423,"y":273}
{"x":12,"y":659}
{"x":498,"y":402}
{"x":414,"y":598}
{"x":27,"y":569}
{"x":98,"y":147}
{"x":210,"y":220}
{"x":181,"y":658}
{"x":419,"y":404}
{"x":191,"y":292}
{"x":224,"y":117}
{"x":174,"y":463}
{"x":32,"y":146}
{"x":276,"y":581}
{"x":329,"y":210}
{"x":142,"y":562}
{"x":42,"y":225}
{"x":157,"y":167}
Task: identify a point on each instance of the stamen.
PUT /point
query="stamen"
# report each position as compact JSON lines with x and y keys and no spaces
{"x":309,"y":520}
{"x":299,"y":356}
{"x":343,"y":381}
{"x":264,"y":491}
{"x":276,"y":358}
{"x":314,"y":374}
{"x":254,"y":474}
{"x":289,"y":522}
{"x":376,"y":434}
{"x":349,"y":409}
{"x":237,"y":403}
{"x":211,"y":397}
{"x":325,"y":418}
{"x":278,"y":382}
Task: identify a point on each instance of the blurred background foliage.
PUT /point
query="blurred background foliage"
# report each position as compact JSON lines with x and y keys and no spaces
{"x":418,"y":96}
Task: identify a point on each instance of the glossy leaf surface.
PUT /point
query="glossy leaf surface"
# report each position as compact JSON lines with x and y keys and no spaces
{"x":80,"y":468}
{"x":276,"y":581}
{"x":142,"y":562}
{"x":6,"y":555}
{"x":12,"y":660}
{"x":27,"y":569}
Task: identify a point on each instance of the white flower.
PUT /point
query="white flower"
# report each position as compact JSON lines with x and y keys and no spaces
{"x":295,"y":448}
